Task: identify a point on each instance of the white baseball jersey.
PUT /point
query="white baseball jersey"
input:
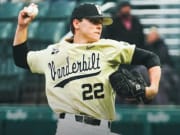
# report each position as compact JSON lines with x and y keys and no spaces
{"x":77,"y":75}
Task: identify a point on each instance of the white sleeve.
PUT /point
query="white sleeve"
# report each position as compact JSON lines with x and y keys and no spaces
{"x":35,"y":60}
{"x":120,"y":53}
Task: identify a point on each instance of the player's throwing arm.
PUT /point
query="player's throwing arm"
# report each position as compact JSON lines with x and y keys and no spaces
{"x":26,"y":15}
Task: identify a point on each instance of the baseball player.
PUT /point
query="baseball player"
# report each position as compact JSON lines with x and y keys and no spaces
{"x":77,"y":71}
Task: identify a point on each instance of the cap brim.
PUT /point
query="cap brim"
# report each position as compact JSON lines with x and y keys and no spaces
{"x":107,"y":20}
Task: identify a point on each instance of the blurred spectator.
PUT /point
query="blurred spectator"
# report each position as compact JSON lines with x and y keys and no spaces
{"x":169,"y":90}
{"x":157,"y":45}
{"x":125,"y":27}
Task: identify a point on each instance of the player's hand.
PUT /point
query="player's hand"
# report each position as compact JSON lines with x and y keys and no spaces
{"x":24,"y":19}
{"x":151,"y":91}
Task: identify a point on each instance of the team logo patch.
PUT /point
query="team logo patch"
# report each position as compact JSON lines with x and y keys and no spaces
{"x":55,"y":51}
{"x":89,"y":47}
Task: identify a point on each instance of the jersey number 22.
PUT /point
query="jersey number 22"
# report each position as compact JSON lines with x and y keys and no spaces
{"x":92,"y":91}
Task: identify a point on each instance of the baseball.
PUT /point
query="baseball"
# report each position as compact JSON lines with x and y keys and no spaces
{"x":32,"y":10}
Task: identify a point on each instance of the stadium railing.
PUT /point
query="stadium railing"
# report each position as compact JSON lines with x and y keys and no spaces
{"x":130,"y":120}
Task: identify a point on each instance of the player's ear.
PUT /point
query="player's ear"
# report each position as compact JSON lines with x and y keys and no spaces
{"x":76,"y":23}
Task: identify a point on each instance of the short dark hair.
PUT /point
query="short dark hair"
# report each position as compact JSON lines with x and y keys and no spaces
{"x":71,"y":26}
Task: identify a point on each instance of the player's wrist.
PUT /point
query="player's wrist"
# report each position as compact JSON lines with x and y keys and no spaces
{"x":22,"y":27}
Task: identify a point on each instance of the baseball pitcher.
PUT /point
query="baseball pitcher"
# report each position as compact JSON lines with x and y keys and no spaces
{"x":77,"y":71}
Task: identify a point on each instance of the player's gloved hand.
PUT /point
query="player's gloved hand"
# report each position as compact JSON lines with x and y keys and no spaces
{"x":129,"y":85}
{"x":24,"y":18}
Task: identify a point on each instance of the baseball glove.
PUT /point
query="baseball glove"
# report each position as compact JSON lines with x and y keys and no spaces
{"x":129,"y":85}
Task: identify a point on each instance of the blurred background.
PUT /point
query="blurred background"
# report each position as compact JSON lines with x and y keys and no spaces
{"x":23,"y":104}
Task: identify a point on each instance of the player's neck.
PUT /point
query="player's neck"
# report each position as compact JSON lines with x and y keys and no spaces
{"x":81,"y":40}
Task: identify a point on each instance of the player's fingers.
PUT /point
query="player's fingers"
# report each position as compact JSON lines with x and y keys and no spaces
{"x":25,"y":13}
{"x":28,"y":11}
{"x":32,"y":10}
{"x":23,"y":18}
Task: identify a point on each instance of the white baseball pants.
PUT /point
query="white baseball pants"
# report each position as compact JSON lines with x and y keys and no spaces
{"x":70,"y":126}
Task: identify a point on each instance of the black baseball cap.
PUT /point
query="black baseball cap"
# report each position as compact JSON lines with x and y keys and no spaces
{"x":88,"y":10}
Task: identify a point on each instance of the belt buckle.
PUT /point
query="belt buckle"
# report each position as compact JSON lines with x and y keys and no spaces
{"x":92,"y":121}
{"x":87,"y":120}
{"x":62,"y":115}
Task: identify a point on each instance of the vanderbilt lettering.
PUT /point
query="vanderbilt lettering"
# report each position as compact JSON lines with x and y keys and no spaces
{"x":52,"y":68}
{"x":82,"y":65}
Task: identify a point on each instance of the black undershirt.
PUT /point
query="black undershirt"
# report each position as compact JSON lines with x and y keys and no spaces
{"x":140,"y":57}
{"x":20,"y":55}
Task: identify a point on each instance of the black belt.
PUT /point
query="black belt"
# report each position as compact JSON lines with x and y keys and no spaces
{"x":85,"y":119}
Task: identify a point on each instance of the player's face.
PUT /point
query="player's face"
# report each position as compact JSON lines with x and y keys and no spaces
{"x":90,"y":29}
